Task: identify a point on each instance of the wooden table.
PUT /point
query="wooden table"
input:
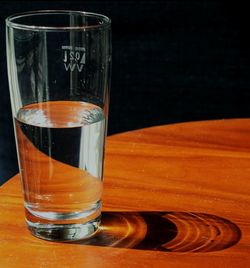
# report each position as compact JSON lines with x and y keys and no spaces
{"x":175,"y":196}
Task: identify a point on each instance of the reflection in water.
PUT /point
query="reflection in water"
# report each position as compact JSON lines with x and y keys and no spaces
{"x":165,"y":231}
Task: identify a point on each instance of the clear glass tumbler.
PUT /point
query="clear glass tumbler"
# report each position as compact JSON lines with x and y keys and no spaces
{"x":59,"y":81}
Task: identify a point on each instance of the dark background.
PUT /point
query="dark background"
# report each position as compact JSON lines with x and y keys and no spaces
{"x":173,"y":61}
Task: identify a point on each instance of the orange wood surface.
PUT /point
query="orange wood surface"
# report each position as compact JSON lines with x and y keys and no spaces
{"x":174,"y":196}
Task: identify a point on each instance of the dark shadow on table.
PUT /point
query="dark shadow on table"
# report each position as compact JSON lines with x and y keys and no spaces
{"x":165,"y":231}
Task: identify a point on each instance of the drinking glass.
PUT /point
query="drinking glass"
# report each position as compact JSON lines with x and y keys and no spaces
{"x":59,"y":81}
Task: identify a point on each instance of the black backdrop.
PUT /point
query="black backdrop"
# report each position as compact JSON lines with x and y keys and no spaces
{"x":173,"y":61}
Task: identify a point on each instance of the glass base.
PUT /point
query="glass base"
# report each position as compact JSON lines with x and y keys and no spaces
{"x":63,"y":226}
{"x":64,"y":232}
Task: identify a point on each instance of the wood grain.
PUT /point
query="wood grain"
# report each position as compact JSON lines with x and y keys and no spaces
{"x":174,"y":196}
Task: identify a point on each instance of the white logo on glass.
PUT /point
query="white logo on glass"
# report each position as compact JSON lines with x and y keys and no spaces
{"x":73,"y":58}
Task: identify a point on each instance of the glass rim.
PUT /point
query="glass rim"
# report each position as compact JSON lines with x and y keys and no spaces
{"x":106,"y":21}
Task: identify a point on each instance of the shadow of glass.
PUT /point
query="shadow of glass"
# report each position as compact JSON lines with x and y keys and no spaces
{"x":165,"y":231}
